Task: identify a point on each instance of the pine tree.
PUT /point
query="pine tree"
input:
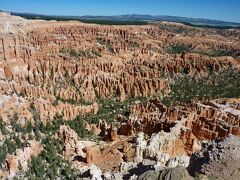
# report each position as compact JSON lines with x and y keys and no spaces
{"x":3,"y":153}
{"x":29,"y":127}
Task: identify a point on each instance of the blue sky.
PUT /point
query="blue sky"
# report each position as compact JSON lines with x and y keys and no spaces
{"x":228,"y":10}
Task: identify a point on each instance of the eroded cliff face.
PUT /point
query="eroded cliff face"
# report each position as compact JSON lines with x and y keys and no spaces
{"x":50,"y":69}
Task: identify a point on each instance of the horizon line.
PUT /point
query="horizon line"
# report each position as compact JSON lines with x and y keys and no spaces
{"x":43,"y":14}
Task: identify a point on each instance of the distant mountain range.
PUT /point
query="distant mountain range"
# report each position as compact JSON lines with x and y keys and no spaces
{"x":138,"y":17}
{"x":135,"y":18}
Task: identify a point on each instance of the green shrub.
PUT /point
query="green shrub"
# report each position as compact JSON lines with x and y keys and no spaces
{"x":29,"y":127}
{"x":3,"y":153}
{"x":78,"y":126}
{"x":224,"y":84}
{"x":219,"y":52}
{"x":106,"y":44}
{"x":178,"y":49}
{"x":73,"y":53}
{"x":49,"y":164}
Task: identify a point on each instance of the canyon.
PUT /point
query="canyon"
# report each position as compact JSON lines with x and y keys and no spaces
{"x":94,"y":96}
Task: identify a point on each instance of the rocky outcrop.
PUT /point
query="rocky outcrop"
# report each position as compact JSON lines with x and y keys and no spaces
{"x":109,"y":158}
{"x":217,"y":159}
{"x":41,"y":109}
{"x":179,"y":130}
{"x":175,"y":133}
{"x":73,"y":146}
{"x":205,"y":121}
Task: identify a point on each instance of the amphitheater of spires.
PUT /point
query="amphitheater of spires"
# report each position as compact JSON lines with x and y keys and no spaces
{"x":64,"y":68}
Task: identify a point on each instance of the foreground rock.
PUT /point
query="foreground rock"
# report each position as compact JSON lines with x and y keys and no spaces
{"x":178,"y":173}
{"x":218,"y":159}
